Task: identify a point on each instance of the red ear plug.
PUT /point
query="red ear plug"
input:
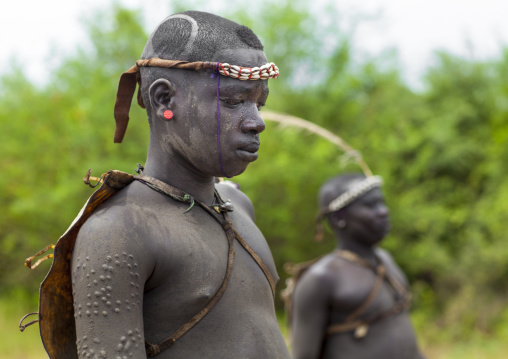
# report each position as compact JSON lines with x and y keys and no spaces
{"x":168,"y":115}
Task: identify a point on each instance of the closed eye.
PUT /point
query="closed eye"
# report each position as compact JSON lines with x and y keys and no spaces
{"x":231,"y":102}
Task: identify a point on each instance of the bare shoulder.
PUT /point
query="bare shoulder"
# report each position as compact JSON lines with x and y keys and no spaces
{"x":228,"y":190}
{"x":384,"y":255}
{"x":388,"y":260}
{"x":128,"y":222}
{"x":323,"y":273}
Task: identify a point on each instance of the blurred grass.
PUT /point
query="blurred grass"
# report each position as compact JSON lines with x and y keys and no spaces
{"x":13,"y":343}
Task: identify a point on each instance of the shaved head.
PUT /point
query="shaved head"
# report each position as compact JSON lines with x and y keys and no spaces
{"x":193,"y":36}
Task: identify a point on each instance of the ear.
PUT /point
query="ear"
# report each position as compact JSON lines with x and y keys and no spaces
{"x":337,"y":219}
{"x":161,"y":93}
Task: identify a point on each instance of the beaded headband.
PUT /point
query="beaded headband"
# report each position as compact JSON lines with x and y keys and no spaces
{"x":345,"y":199}
{"x":131,"y":77}
{"x":355,"y":192}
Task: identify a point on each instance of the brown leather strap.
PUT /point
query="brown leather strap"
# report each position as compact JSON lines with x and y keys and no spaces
{"x":258,"y":260}
{"x":131,"y":77}
{"x":344,"y":327}
{"x":350,"y":323}
{"x":154,"y":349}
{"x":381,"y":271}
{"x":126,"y":89}
{"x":231,"y":234}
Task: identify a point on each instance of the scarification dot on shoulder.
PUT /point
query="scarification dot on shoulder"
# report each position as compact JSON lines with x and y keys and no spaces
{"x":104,"y":299}
{"x":89,"y":304}
{"x":92,"y":271}
{"x":109,"y":288}
{"x":117,"y":263}
{"x":105,"y":266}
{"x":96,"y":340}
{"x":104,"y":313}
{"x":117,"y":310}
{"x":108,"y":277}
{"x":87,"y":258}
{"x":108,"y":258}
{"x":96,"y":312}
{"x":102,"y":278}
{"x":87,"y":313}
{"x":95,"y":281}
{"x":108,"y":303}
{"x":98,"y":294}
{"x":118,"y":302}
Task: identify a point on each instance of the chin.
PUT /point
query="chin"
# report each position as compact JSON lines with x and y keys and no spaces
{"x":232,"y":171}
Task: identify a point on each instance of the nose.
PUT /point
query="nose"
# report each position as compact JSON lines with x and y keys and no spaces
{"x":253,"y":123}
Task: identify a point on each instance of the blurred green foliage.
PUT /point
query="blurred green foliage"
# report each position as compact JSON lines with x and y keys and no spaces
{"x":441,"y":151}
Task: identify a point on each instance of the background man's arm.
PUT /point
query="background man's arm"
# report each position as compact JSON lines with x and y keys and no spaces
{"x":109,"y":270}
{"x":310,"y":316}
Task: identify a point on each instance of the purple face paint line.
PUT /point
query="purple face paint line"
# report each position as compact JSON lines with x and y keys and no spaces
{"x":218,"y":123}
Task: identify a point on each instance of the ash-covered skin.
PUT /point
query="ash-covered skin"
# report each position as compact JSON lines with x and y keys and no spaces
{"x":97,"y":280}
{"x":333,"y":288}
{"x":175,"y":261}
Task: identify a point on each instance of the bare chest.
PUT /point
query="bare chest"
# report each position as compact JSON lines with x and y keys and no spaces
{"x":192,"y":258}
{"x":365,"y":292}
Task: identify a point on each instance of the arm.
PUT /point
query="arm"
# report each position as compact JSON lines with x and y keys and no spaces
{"x":310,"y":315}
{"x":109,"y":268}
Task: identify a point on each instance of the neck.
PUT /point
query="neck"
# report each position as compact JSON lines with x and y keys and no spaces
{"x":367,"y":252}
{"x":164,"y":165}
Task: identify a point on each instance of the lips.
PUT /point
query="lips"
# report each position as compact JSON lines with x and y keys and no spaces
{"x":249,"y":152}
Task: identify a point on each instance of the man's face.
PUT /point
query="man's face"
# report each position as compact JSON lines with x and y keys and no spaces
{"x":195,"y":135}
{"x":368,"y":218}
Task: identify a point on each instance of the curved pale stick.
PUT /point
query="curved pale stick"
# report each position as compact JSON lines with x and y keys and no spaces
{"x":289,"y":120}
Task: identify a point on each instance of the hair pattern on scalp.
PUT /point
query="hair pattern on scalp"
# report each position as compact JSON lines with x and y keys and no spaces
{"x":192,"y":36}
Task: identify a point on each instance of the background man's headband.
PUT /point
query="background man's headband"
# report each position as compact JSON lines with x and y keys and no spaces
{"x":345,"y":199}
{"x":131,"y":77}
{"x":355,"y":192}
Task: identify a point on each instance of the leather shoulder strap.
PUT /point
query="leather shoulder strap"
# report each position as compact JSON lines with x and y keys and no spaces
{"x":231,"y":235}
{"x":361,"y":326}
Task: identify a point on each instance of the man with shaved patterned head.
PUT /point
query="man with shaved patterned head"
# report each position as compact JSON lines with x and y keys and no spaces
{"x":173,"y":265}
